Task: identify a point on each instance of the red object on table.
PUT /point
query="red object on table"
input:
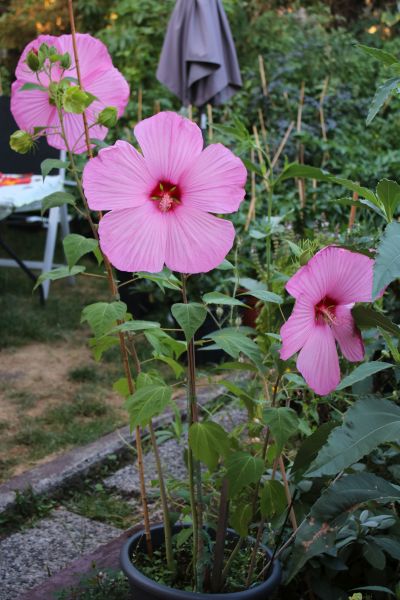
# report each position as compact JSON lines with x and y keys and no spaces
{"x":14,"y":179}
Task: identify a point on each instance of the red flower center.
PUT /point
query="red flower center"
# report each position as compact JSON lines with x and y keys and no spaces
{"x":167,"y":195}
{"x":325,"y":311}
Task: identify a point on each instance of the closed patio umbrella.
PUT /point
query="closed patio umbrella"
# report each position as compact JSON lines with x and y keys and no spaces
{"x":198,"y":60}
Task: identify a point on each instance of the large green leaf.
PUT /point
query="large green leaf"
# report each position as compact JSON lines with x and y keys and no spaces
{"x":387,"y":263}
{"x":283,"y":423}
{"x":273,"y":499}
{"x":367,"y":424}
{"x":367,"y":317}
{"x":381,"y":95}
{"x":310,"y":448}
{"x":241,"y":519}
{"x":234,"y":343}
{"x":147,"y":402}
{"x":136,"y":325}
{"x":101,"y":316}
{"x":218,"y":298}
{"x":57,"y":199}
{"x":58,"y":273}
{"x":388,"y":193}
{"x":317,"y":534}
{"x":190,"y":317}
{"x":49,"y":164}
{"x":382,"y":55}
{"x":362,"y":372}
{"x":264,"y":295}
{"x":76,"y":246}
{"x":242,"y":470}
{"x":164,"y":279}
{"x":208,"y":441}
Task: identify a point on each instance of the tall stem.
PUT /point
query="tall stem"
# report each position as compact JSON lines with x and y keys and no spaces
{"x":112,"y":285}
{"x":195,"y":484}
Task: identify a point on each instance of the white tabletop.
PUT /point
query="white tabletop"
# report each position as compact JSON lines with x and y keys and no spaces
{"x":28,"y":196}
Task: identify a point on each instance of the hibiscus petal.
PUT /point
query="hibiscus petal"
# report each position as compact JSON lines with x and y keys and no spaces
{"x":197,"y":241}
{"x":347,"y":334}
{"x":111,"y":88}
{"x":117,"y":178}
{"x":318,"y":361}
{"x":215,"y":182}
{"x":170,"y":144}
{"x":94,"y":57}
{"x":298,"y":327}
{"x":31,"y":108}
{"x":135,"y":239}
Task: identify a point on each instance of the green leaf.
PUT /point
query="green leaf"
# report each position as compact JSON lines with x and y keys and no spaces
{"x":183,"y":536}
{"x":389,"y":545}
{"x":76,"y":246}
{"x":362,"y":372}
{"x":310,"y":448}
{"x":273,"y":499}
{"x":374,"y":588}
{"x":59,"y":273}
{"x":225,"y":265}
{"x":32,"y":86}
{"x":121,"y":387}
{"x":242,"y":470}
{"x":135,"y":325}
{"x":218,"y":298}
{"x":190,"y":317}
{"x":388,"y":193}
{"x":381,"y":95}
{"x":241,"y":519}
{"x":283,"y":423}
{"x":234,"y":343}
{"x":382,"y":55}
{"x":208,"y":441}
{"x":264,"y":296}
{"x":164,"y":279}
{"x":374,"y":555}
{"x":101,"y":345}
{"x":368,"y":317}
{"x":368,"y":423}
{"x":101,"y":316}
{"x":165,"y":344}
{"x":49,"y":164}
{"x":76,"y":100}
{"x":387,"y":263}
{"x":57,"y":199}
{"x":147,"y":402}
{"x":175,"y":366}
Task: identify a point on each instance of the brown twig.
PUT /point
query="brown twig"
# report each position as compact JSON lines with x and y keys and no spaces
{"x":263,"y":77}
{"x":210,"y":121}
{"x":352,"y":215}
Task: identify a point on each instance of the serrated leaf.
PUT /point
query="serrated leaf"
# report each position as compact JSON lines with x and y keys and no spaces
{"x":365,"y":316}
{"x":367,"y":424}
{"x":241,"y":519}
{"x":243,"y":469}
{"x":190,"y":317}
{"x":387,"y":263}
{"x":273,"y":499}
{"x":59,"y":273}
{"x":223,"y":299}
{"x":264,"y":295}
{"x":362,"y":372}
{"x":381,"y":95}
{"x":175,"y":366}
{"x":283,"y":423}
{"x":147,"y":402}
{"x":101,"y":345}
{"x":310,"y":448}
{"x":121,"y":387}
{"x":57,"y":199}
{"x":208,"y":441}
{"x":382,"y":55}
{"x":135,"y":325}
{"x":234,"y":343}
{"x":388,"y":192}
{"x":49,"y":164}
{"x":165,"y":344}
{"x":76,"y":246}
{"x":164,"y":279}
{"x":101,"y":316}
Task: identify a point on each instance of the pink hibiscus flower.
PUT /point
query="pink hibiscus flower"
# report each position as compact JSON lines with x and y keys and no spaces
{"x":326,"y":290}
{"x":160,"y":200}
{"x":32,"y":108}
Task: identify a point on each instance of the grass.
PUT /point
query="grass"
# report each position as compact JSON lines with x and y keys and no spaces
{"x":101,"y":505}
{"x":100,"y":585}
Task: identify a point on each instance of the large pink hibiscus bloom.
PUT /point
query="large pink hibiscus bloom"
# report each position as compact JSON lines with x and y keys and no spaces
{"x":326,"y":290}
{"x":31,"y":108}
{"x":160,"y":200}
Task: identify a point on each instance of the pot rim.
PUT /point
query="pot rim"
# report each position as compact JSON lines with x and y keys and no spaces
{"x":169,"y":593}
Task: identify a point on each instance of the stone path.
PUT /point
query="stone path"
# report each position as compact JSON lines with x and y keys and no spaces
{"x":31,"y":557}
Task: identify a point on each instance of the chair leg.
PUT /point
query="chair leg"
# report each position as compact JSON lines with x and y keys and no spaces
{"x":65,"y":230}
{"x":51,"y":238}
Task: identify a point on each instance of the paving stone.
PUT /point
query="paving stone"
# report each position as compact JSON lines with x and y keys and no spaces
{"x":30,"y":557}
{"x":127,"y":481}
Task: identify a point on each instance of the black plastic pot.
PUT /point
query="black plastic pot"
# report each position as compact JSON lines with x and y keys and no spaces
{"x":144,"y":588}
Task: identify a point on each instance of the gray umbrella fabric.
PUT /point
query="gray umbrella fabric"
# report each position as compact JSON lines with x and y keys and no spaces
{"x":198,"y":61}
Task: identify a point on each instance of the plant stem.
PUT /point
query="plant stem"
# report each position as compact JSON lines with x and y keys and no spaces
{"x":231,"y":558}
{"x":216,"y":578}
{"x":196,"y":499}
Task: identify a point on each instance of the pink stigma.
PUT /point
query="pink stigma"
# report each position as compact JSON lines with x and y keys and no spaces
{"x":166,"y":202}
{"x":325,"y":311}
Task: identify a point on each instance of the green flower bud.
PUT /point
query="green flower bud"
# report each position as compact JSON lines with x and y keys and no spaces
{"x":32,"y":60}
{"x":21,"y":141}
{"x":65,"y":61}
{"x":108,"y":116}
{"x":76,"y":100}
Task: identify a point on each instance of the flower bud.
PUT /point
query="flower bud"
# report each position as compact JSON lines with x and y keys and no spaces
{"x":21,"y":141}
{"x":76,"y":100}
{"x":32,"y":60}
{"x":65,"y":61}
{"x":219,"y":311}
{"x":108,"y":116}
